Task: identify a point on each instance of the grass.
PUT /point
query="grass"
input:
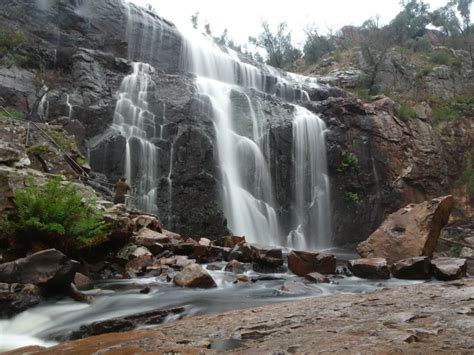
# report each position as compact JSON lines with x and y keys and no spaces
{"x":451,"y":110}
{"x":405,"y":112}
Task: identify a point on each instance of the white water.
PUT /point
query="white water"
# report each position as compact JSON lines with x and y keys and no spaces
{"x":312,"y":200}
{"x":134,"y":120}
{"x":242,"y":143}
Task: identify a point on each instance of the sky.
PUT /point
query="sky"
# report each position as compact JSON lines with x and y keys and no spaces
{"x":243,"y":18}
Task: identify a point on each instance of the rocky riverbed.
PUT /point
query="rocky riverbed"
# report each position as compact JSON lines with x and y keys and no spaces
{"x":423,"y":318}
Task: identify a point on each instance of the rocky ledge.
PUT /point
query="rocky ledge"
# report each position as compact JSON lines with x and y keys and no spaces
{"x":424,"y":318}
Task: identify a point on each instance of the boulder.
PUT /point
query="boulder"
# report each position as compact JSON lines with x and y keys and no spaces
{"x":205,"y":242}
{"x":49,"y":269}
{"x":370,"y":268}
{"x":294,"y":287}
{"x":194,"y":275}
{"x":139,"y":264}
{"x":302,"y":263}
{"x":15,"y":298}
{"x":269,"y":260}
{"x":417,"y":268}
{"x":124,"y":255}
{"x":147,"y":221}
{"x":229,"y":241}
{"x":316,"y":277}
{"x":243,"y":252}
{"x":146,"y":233}
{"x":235,"y":266}
{"x":171,"y":235}
{"x":208,"y":254}
{"x":411,"y":231}
{"x":467,"y":252}
{"x":214,"y":267}
{"x":447,"y":269}
{"x":81,"y":280}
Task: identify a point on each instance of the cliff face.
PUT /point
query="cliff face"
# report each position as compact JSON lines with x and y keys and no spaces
{"x":377,"y":163}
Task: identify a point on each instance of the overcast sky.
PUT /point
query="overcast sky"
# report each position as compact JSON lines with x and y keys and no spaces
{"x":243,"y":17}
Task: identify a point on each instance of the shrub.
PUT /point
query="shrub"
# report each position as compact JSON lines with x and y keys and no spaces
{"x":349,"y":160}
{"x":468,"y":174}
{"x":352,"y":196}
{"x":452,"y":110}
{"x":10,"y":43}
{"x":424,"y":71}
{"x":54,"y":215}
{"x":405,"y":112}
{"x":363,"y":94}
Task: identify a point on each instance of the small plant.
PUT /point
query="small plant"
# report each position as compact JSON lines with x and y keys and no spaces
{"x":425,"y":71}
{"x":352,"y":196}
{"x":468,"y":173}
{"x":38,"y":149}
{"x":13,"y":113}
{"x":405,"y":112}
{"x":54,"y":215}
{"x":64,"y":141}
{"x":349,"y":161}
{"x":363,"y":94}
{"x":452,"y":110}
{"x":10,"y":43}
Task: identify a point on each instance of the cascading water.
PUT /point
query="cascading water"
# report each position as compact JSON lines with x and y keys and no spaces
{"x":242,"y":144}
{"x":136,"y":123}
{"x":312,"y":202}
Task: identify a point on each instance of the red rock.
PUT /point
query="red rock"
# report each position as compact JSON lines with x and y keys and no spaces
{"x":302,"y":263}
{"x":417,"y":268}
{"x":411,"y":231}
{"x":229,"y":241}
{"x":139,"y":264}
{"x":447,"y":269}
{"x":171,"y":235}
{"x":150,"y":222}
{"x":317,"y":278}
{"x":194,"y":276}
{"x":148,"y":234}
{"x":235,"y":266}
{"x":81,"y":280}
{"x":370,"y":268}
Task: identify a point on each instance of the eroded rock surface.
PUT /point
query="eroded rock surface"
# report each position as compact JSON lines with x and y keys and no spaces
{"x":400,"y":320}
{"x":411,"y":231}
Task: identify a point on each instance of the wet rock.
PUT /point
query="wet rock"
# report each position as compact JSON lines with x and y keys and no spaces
{"x":123,"y":256}
{"x":207,"y":254}
{"x":146,"y":234}
{"x":125,"y":323}
{"x":138,"y":265}
{"x":147,"y":221}
{"x":411,"y":231}
{"x":343,"y":270}
{"x":243,"y":252}
{"x":243,"y":278}
{"x":268,"y":261}
{"x":294,"y":287}
{"x":417,"y":268}
{"x":229,"y":242}
{"x":317,"y":278}
{"x":82,"y":281}
{"x":205,"y":242}
{"x":15,"y":298}
{"x":302,"y":263}
{"x":49,"y":269}
{"x":447,"y":269}
{"x":194,"y":276}
{"x":78,"y":296}
{"x":370,"y":268}
{"x":214,"y":267}
{"x":235,"y":266}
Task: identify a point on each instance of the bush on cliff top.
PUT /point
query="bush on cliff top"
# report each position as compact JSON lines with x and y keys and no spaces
{"x":54,"y":215}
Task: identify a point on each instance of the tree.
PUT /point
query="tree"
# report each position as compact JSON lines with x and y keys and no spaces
{"x":11,"y":43}
{"x":280,"y":50}
{"x":195,"y":20}
{"x":374,"y":45}
{"x":464,"y":8}
{"x":411,"y":22}
{"x":316,"y":45}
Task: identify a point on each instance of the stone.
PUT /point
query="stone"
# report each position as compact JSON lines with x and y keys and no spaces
{"x":11,"y":153}
{"x":294,"y":287}
{"x":194,"y":276}
{"x":235,"y":266}
{"x":214,"y":267}
{"x":411,"y":231}
{"x":229,"y":241}
{"x":207,"y":254}
{"x":148,"y":234}
{"x":138,"y":264}
{"x":467,"y":252}
{"x":171,"y":235}
{"x":417,"y":268}
{"x":316,"y":277}
{"x":370,"y":268}
{"x":469,"y":240}
{"x":268,"y":261}
{"x":49,"y":269}
{"x":147,"y":221}
{"x":448,"y":269}
{"x":125,"y":254}
{"x":15,"y":298}
{"x":243,"y":278}
{"x":140,"y":251}
{"x":302,"y":263}
{"x":205,"y":242}
{"x":82,"y":281}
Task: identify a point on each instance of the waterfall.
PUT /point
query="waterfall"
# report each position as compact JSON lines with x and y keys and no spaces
{"x":134,"y":121}
{"x":312,"y":200}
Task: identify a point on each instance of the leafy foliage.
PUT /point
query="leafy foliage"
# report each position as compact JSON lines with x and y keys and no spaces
{"x":352,"y":196}
{"x":452,"y":110}
{"x":316,"y":45}
{"x":349,"y":161}
{"x":10,"y":44}
{"x":54,"y":215}
{"x":405,"y":112}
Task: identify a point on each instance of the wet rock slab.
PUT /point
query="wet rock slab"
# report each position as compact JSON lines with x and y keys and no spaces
{"x":424,"y":319}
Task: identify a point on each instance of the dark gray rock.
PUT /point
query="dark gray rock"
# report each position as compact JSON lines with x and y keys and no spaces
{"x":15,"y":298}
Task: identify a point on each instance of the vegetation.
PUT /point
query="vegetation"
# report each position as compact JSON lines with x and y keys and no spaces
{"x":468,"y":174}
{"x":405,"y":112}
{"x":11,"y":43}
{"x":352,"y":196}
{"x":349,"y":161}
{"x":451,"y":110}
{"x":54,"y":215}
